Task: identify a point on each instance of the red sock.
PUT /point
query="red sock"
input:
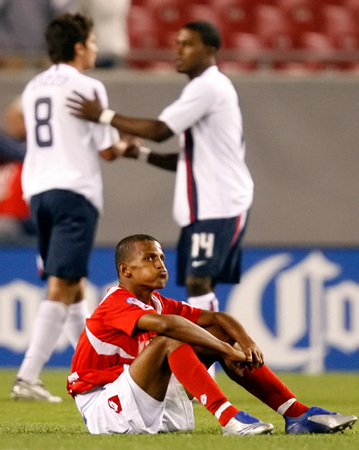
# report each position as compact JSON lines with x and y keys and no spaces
{"x":266,"y":386}
{"x":296,"y":410}
{"x":193,"y":374}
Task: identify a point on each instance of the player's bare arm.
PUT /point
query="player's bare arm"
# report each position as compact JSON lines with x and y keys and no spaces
{"x":91,"y":109}
{"x":180,"y":328}
{"x":167,"y":161}
{"x":236,"y":331}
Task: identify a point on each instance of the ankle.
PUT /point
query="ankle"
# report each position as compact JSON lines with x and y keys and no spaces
{"x":296,"y":410}
{"x":225,"y":413}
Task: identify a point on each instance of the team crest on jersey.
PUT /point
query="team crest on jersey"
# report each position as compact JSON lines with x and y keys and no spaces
{"x":114,"y":403}
{"x":135,"y":301}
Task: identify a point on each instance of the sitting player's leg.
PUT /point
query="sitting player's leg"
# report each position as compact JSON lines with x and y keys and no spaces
{"x":152,"y":369}
{"x":267,"y":387}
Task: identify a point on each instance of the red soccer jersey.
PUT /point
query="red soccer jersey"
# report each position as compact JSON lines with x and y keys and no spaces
{"x":110,"y":341}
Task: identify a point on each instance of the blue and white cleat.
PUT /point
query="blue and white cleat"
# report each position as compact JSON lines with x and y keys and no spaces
{"x":245,"y":425}
{"x":318,"y":420}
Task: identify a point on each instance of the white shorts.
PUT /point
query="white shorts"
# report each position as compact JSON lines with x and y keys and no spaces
{"x":123,"y":407}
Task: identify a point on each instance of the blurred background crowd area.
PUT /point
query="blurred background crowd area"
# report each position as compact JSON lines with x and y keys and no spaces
{"x":282,"y":35}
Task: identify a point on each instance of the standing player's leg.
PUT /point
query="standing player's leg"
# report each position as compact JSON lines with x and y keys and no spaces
{"x":66,"y":225}
{"x":208,"y":253}
{"x":48,"y":325}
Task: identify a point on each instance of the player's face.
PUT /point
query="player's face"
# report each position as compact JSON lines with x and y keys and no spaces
{"x":147,"y":265}
{"x":90,"y":52}
{"x":192,"y":56}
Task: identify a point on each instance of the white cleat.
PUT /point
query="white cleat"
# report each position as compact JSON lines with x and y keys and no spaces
{"x":23,"y":390}
{"x":244,"y":424}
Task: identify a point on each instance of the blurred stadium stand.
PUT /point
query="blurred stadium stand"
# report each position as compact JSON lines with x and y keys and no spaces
{"x":282,"y":35}
{"x":286,"y":35}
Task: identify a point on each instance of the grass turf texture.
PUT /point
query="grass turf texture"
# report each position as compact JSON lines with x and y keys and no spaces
{"x":32,"y":425}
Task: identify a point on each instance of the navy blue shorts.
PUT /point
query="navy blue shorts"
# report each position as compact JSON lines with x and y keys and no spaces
{"x":211,"y":248}
{"x":66,"y":224}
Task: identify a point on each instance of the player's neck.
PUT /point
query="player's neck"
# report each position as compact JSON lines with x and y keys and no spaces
{"x":198,"y":72}
{"x":142,"y":293}
{"x":78,"y":64}
{"x":71,"y":63}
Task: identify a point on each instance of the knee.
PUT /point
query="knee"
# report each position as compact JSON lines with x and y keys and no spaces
{"x":167,"y":344}
{"x":67,"y":291}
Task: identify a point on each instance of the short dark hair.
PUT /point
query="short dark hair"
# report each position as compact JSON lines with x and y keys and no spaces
{"x":210,"y":34}
{"x":64,"y":32}
{"x":124,"y":248}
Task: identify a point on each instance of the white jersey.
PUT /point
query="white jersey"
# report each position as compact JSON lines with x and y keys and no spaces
{"x":212,"y":179}
{"x":62,"y":150}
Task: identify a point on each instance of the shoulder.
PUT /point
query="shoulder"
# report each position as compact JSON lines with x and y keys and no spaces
{"x":87,"y":80}
{"x":209,"y":83}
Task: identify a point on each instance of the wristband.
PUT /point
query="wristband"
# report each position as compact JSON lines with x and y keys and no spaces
{"x":143,"y":154}
{"x":106,"y":116}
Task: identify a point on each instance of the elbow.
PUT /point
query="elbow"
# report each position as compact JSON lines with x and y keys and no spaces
{"x":220,"y":317}
{"x":159,"y":138}
{"x":108,"y":155}
{"x":161,"y":132}
{"x":109,"y":158}
{"x":168,"y":326}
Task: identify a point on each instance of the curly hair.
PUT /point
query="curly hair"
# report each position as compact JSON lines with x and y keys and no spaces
{"x":209,"y":33}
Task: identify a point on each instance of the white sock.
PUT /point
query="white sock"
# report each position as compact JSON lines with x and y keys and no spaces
{"x":46,"y":330}
{"x":75,"y":321}
{"x":207,"y":301}
{"x":285,"y":406}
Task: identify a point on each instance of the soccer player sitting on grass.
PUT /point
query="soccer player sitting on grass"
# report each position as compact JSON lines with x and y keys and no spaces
{"x":141,"y":353}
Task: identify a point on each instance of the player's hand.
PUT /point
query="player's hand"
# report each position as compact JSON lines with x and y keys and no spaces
{"x":84,"y":108}
{"x":131,"y":145}
{"x":236,"y":361}
{"x":254,"y":355}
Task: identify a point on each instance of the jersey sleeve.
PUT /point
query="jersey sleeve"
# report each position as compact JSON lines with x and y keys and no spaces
{"x":104,"y":136}
{"x":195,"y":101}
{"x":179,"y":308}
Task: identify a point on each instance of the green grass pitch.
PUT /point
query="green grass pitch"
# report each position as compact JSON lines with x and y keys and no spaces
{"x":29,"y":425}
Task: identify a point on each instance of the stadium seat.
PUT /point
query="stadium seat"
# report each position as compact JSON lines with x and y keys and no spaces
{"x":330,"y":2}
{"x":199,"y":11}
{"x":169,"y":15}
{"x":256,"y":3}
{"x":319,"y":48}
{"x":245,"y":48}
{"x":352,"y":6}
{"x":143,"y":36}
{"x":342,"y":30}
{"x":303,"y":15}
{"x":340,"y":27}
{"x":137,"y":2}
{"x":272,"y":28}
{"x":141,"y":28}
{"x":236,"y":16}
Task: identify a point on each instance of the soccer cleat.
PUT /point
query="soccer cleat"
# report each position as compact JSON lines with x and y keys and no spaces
{"x":318,"y":420}
{"x":23,"y":390}
{"x":245,"y":425}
